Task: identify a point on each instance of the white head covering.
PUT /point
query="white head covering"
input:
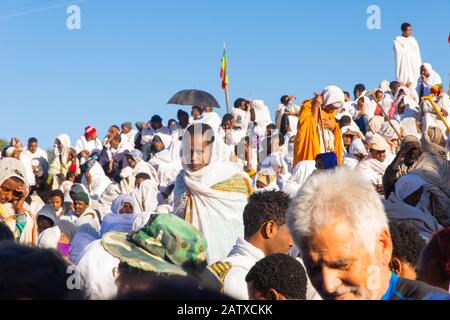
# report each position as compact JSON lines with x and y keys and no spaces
{"x":49,"y":212}
{"x":385,"y":86}
{"x":407,"y":185}
{"x":11,"y":167}
{"x":166,"y":139}
{"x":334,"y":96}
{"x":434,"y":78}
{"x":388,"y":132}
{"x":377,"y":142}
{"x":119,"y":202}
{"x":64,"y":139}
{"x":357,"y":147}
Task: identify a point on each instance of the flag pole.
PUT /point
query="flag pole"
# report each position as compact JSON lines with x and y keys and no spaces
{"x":227,"y":100}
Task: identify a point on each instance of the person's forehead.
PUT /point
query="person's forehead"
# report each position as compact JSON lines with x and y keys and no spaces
{"x":12,"y":184}
{"x":332,"y":241}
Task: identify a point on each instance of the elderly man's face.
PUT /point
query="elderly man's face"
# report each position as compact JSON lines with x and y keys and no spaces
{"x":341,"y":268}
{"x":379,"y":155}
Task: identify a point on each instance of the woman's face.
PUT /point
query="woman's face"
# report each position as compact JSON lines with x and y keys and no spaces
{"x":7,"y":190}
{"x":131,"y":162}
{"x":58,"y":145}
{"x":347,"y":139}
{"x":200,"y":152}
{"x":126,"y":209}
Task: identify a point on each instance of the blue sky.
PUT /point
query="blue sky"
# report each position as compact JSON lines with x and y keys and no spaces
{"x":131,"y":56}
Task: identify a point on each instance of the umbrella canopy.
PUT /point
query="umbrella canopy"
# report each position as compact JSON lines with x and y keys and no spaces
{"x":194,"y":98}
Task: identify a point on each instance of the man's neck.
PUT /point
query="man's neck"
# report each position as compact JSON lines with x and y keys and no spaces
{"x":258,"y":243}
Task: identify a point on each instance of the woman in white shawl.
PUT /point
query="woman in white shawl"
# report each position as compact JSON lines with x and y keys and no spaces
{"x":404,"y":204}
{"x":121,"y":216}
{"x":95,"y":180}
{"x":211,"y":193}
{"x":407,"y":115}
{"x":428,"y":78}
{"x":66,"y":160}
{"x":14,"y":188}
{"x":166,"y":163}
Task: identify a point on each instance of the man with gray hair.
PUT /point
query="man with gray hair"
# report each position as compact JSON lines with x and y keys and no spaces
{"x":127,"y":133}
{"x":345,"y":241}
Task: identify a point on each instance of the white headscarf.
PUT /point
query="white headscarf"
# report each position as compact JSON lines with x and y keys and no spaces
{"x":119,"y":202}
{"x":65,"y":141}
{"x":434,"y":78}
{"x":334,"y":96}
{"x":11,"y":167}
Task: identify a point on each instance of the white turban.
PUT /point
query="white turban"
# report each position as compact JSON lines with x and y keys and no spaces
{"x":334,"y":97}
{"x":377,"y":142}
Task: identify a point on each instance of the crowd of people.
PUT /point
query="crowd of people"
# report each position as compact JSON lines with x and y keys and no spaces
{"x":333,"y":198}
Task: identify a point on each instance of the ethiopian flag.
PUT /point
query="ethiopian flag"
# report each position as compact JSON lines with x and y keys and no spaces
{"x":224,"y":71}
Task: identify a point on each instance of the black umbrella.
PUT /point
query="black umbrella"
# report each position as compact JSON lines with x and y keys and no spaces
{"x":194,"y":98}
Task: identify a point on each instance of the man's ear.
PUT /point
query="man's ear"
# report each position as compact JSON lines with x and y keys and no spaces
{"x":384,"y":246}
{"x":272,"y":294}
{"x":269,"y":230}
{"x":396,"y":266}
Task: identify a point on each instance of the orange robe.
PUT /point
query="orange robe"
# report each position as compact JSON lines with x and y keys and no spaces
{"x":307,"y":141}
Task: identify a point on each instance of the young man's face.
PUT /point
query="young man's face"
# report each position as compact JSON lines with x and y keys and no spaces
{"x":157,"y":124}
{"x":32,"y":146}
{"x":56,"y":203}
{"x":407,"y":32}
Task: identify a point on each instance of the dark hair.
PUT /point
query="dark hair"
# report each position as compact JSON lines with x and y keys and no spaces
{"x":440,"y":245}
{"x":143,"y":175}
{"x":115,"y":127}
{"x":405,"y":26}
{"x":198,"y":108}
{"x":283,"y":99}
{"x":347,"y":93}
{"x":127,"y":124}
{"x":345,"y":121}
{"x":360,"y":87}
{"x":70,"y":174}
{"x":5,"y":233}
{"x":280,"y":272}
{"x":57,"y":193}
{"x":238,"y":102}
{"x":31,"y":273}
{"x":181,"y":113}
{"x":271,"y":126}
{"x":263,"y":207}
{"x":32,"y":140}
{"x":205,"y":130}
{"x":227,"y":117}
{"x":407,"y":242}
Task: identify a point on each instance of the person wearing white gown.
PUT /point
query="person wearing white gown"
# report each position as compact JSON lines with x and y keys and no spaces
{"x":407,"y":56}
